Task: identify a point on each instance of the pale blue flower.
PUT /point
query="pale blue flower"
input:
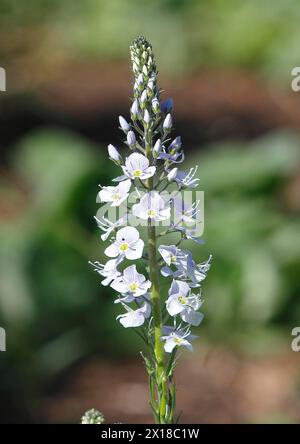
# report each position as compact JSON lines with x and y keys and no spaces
{"x":131,"y":282}
{"x":108,"y":227}
{"x":173,"y":337}
{"x":109,"y":270}
{"x":152,"y":206}
{"x":187,"y":179}
{"x":182,"y":302}
{"x":135,"y":318}
{"x":137,"y":167}
{"x":127,"y":244}
{"x":115,"y":195}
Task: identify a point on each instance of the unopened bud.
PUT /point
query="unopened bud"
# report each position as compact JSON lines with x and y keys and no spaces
{"x":167,"y":125}
{"x":147,"y":117}
{"x":131,"y":139}
{"x":157,"y":148}
{"x":114,"y":153}
{"x":172,"y":174}
{"x":155,"y":105}
{"x":134,"y":109}
{"x":124,"y":124}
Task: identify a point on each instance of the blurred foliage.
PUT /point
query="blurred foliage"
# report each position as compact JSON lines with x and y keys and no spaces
{"x":185,"y":34}
{"x":252,"y":233}
{"x":53,"y":306}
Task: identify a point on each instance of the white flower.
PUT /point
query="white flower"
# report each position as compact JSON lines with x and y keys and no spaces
{"x":176,"y":338}
{"x":151,"y":206}
{"x":109,"y":270}
{"x":114,"y":153}
{"x":182,"y":302}
{"x":185,"y":266}
{"x":137,"y":167}
{"x":185,"y":179}
{"x":188,"y":233}
{"x":124,"y":124}
{"x":168,"y":253}
{"x":185,"y":211}
{"x":131,"y":282}
{"x":108,"y":227}
{"x":167,"y":125}
{"x":127,"y":243}
{"x":115,"y":195}
{"x":135,"y":318}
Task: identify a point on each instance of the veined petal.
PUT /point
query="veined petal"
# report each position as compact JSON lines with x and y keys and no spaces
{"x":127,"y":234}
{"x":136,"y":251}
{"x":112,"y":251}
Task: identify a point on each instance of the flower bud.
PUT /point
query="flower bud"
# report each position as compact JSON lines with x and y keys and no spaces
{"x":144,"y":97}
{"x":172,"y":174}
{"x":175,"y":144}
{"x":92,"y":417}
{"x":145,"y":70}
{"x":155,"y":105}
{"x":157,"y":148}
{"x":167,"y":125}
{"x":131,"y":139}
{"x":134,"y":109}
{"x":124,"y":124}
{"x":140,"y":80}
{"x":147,"y":117}
{"x":151,"y":84}
{"x":114,"y":153}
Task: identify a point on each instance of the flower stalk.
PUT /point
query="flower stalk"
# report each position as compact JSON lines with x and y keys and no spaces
{"x":151,"y":169}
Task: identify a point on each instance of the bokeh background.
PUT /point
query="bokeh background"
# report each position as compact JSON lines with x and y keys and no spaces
{"x":227,"y":66}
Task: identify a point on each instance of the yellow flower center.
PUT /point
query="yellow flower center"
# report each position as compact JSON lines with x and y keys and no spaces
{"x":178,"y":340}
{"x":182,"y":300}
{"x":124,"y":247}
{"x":137,"y":173}
{"x":151,"y":213}
{"x":134,"y":286}
{"x":173,"y":259}
{"x":116,"y":196}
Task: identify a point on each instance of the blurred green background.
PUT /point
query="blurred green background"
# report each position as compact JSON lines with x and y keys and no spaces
{"x":228,"y":67}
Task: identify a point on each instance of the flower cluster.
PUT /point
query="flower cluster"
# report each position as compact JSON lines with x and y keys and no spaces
{"x":151,"y":119}
{"x":150,"y":168}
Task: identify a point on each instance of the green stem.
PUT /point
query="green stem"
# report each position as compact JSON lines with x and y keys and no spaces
{"x":161,"y":381}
